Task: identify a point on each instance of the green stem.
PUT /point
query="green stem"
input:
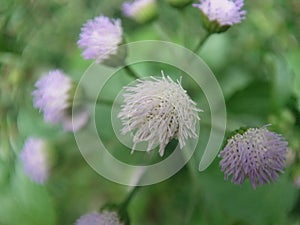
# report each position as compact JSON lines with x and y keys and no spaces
{"x":104,"y":102}
{"x":123,"y":206}
{"x":130,"y":72}
{"x":202,"y":41}
{"x":191,"y":202}
{"x":195,"y":190}
{"x":98,"y":101}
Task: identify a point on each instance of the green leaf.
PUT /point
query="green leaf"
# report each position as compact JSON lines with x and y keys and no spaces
{"x":267,"y":204}
{"x":293,"y":60}
{"x":282,"y":77}
{"x":30,"y":122}
{"x":251,"y":105}
{"x":234,"y":80}
{"x":26,"y":203}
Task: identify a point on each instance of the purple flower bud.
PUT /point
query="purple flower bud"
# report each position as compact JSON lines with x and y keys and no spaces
{"x":223,"y":12}
{"x":258,"y":154}
{"x":35,"y":160}
{"x":100,"y":38}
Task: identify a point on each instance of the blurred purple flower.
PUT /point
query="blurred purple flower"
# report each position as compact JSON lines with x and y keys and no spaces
{"x":258,"y":154}
{"x":52,"y":96}
{"x":100,"y":38}
{"x":158,"y":110}
{"x":225,"y":12}
{"x":35,"y":160}
{"x":104,"y":218}
{"x":140,"y":10}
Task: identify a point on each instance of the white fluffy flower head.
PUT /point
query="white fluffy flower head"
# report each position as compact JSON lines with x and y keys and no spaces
{"x":158,"y":110}
{"x":225,"y":12}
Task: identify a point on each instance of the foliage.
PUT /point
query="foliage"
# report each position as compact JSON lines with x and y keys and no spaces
{"x":255,"y":62}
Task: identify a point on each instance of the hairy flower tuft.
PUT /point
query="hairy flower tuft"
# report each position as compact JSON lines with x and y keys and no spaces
{"x":224,"y":12}
{"x":158,"y":110}
{"x":52,"y":96}
{"x":103,"y":218}
{"x":100,"y":38}
{"x":35,"y":160}
{"x":258,"y":154}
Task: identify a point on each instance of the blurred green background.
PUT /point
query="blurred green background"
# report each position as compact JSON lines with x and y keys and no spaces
{"x":257,"y":64}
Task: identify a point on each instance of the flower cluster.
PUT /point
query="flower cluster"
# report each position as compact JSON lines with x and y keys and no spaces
{"x":101,"y":37}
{"x":258,"y":154}
{"x":158,"y":110}
{"x":155,"y":110}
{"x":52,"y":96}
{"x":34,"y":158}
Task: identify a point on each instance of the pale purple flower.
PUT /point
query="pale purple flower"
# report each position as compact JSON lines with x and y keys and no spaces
{"x":52,"y":96}
{"x":225,"y":12}
{"x":158,"y":110}
{"x":34,"y":158}
{"x":100,"y":38}
{"x":140,"y":10}
{"x":103,"y":218}
{"x":257,"y":154}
